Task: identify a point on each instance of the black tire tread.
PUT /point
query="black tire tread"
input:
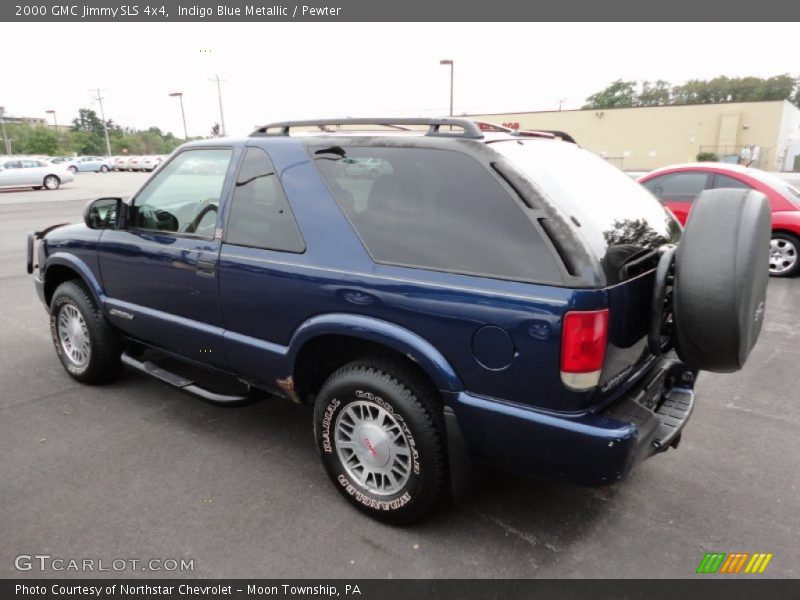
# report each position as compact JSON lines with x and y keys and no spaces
{"x":421,"y":398}
{"x":106,"y":346}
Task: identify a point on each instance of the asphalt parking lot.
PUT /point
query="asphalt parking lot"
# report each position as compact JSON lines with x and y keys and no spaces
{"x":138,"y":470}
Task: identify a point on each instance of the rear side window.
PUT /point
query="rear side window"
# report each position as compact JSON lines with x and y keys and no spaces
{"x":723,"y":181}
{"x":435,"y":209}
{"x":678,"y":187}
{"x":260,"y":216}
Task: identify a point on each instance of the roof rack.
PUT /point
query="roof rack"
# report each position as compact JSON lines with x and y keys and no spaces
{"x":553,"y":132}
{"x":470,"y":128}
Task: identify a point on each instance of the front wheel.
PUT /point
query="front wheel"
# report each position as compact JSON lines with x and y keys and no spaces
{"x":51,"y":182}
{"x":104,"y":169}
{"x":379,"y":430}
{"x":88,"y":348}
{"x":783,"y":255}
{"x":73,"y":170}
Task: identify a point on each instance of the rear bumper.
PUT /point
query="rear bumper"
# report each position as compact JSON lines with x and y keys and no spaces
{"x":587,"y":449}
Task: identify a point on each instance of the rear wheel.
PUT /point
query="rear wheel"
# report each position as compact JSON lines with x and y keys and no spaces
{"x":73,"y":169}
{"x":379,"y":430}
{"x":88,"y":348}
{"x":51,"y":182}
{"x":103,"y":169}
{"x":783,"y":254}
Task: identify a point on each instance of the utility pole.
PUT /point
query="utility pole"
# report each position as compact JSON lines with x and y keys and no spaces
{"x":105,"y":125}
{"x":219,"y":96}
{"x":5,"y":135}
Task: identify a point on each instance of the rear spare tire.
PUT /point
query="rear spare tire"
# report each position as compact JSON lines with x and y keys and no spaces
{"x":721,"y":273}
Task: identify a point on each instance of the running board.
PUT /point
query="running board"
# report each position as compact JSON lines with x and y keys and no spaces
{"x":187,"y":385}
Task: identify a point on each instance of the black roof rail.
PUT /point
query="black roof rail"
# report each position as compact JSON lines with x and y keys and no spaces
{"x":470,"y":128}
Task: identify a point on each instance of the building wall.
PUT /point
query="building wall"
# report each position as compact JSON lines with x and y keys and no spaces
{"x":650,"y":137}
{"x":789,"y":138}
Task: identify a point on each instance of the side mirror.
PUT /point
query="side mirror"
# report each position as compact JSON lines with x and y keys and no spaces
{"x":106,"y":213}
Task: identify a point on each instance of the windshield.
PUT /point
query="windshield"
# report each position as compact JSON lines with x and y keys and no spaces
{"x":618,"y":218}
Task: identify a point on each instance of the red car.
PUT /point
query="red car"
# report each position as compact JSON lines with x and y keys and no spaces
{"x":677,"y":187}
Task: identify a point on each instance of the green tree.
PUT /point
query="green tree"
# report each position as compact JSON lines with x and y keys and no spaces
{"x":42,"y":141}
{"x":620,"y":94}
{"x":658,"y":93}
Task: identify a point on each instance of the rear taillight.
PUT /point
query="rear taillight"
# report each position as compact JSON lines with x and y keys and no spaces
{"x":583,"y":348}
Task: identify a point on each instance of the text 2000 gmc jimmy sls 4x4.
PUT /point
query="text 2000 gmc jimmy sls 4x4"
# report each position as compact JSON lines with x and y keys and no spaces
{"x":444,"y":294}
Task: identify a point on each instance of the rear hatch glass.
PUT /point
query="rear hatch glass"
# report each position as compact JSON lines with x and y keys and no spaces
{"x":617,"y":218}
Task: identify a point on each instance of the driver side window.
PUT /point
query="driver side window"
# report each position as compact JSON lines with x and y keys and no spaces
{"x":184,"y":196}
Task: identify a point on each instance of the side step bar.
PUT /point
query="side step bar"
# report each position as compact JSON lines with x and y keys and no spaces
{"x":187,"y":385}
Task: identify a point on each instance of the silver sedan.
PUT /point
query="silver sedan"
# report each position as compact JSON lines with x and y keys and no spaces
{"x":32,"y":173}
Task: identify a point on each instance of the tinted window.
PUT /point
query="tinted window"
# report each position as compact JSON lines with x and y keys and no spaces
{"x":723,"y":181}
{"x":260,"y":215}
{"x":435,"y":209}
{"x":617,"y":217}
{"x":678,"y":187}
{"x":184,"y":196}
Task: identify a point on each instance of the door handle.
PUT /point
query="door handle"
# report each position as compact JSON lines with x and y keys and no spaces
{"x":206,"y":268}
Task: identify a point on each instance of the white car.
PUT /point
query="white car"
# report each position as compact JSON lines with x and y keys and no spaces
{"x":121,"y":163}
{"x":37,"y":174}
{"x":151,"y":163}
{"x":135,"y":163}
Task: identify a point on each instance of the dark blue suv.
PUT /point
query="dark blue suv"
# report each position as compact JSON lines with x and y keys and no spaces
{"x":444,"y":293}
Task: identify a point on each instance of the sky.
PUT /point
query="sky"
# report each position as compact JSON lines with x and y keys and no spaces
{"x":278,"y":71}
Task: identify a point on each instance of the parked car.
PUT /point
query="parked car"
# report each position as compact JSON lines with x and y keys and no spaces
{"x":121,"y":163}
{"x":96,"y":164}
{"x":136,"y":163}
{"x":150,"y":163}
{"x":66,"y":162}
{"x":37,"y":174}
{"x":479,"y":304}
{"x":679,"y":186}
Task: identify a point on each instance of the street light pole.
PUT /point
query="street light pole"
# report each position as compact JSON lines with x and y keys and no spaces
{"x":219,"y":96}
{"x":450,"y":63}
{"x":3,"y":124}
{"x":105,"y":125}
{"x":183,"y":114}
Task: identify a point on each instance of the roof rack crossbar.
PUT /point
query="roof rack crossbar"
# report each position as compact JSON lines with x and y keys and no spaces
{"x":470,"y":128}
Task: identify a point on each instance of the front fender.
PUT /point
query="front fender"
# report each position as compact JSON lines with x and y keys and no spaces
{"x":70,"y":261}
{"x":393,"y":336}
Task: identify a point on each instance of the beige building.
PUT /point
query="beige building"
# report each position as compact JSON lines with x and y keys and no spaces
{"x":764,"y":134}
